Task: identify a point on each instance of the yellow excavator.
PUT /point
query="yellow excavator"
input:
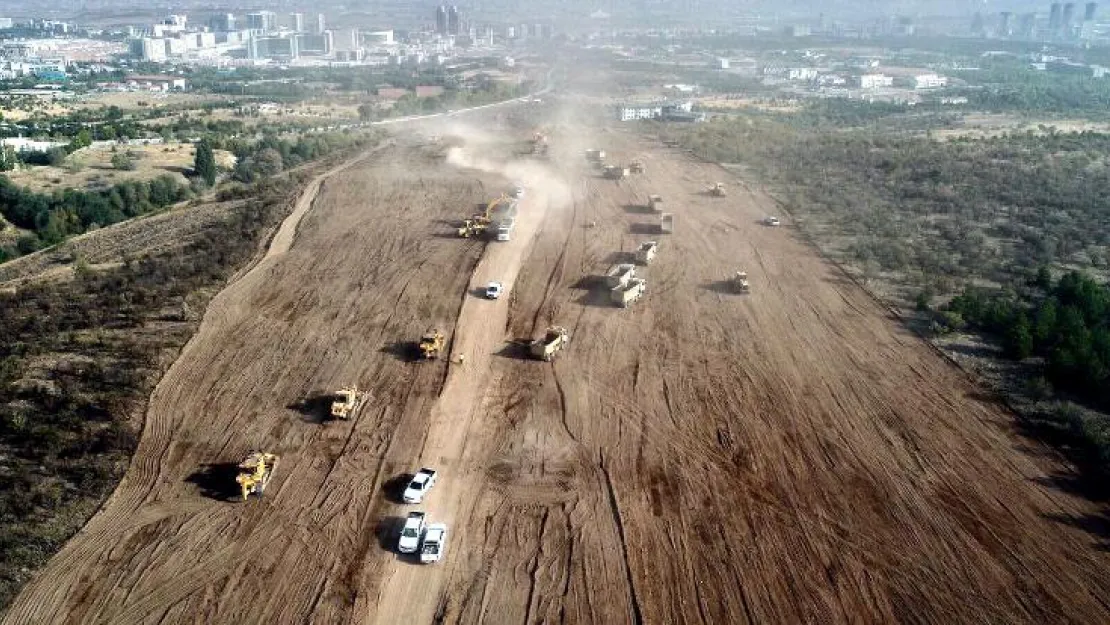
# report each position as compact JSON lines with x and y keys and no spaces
{"x":479,"y":223}
{"x":347,"y":400}
{"x":255,"y":473}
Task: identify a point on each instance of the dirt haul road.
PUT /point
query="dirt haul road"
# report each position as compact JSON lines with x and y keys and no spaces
{"x":786,"y":456}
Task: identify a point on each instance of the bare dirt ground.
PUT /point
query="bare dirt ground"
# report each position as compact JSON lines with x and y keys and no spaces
{"x":788,"y":456}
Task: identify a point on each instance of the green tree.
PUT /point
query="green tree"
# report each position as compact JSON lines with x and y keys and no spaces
{"x":1019,"y":338}
{"x":366,"y":112}
{"x":205,"y":164}
{"x":122,"y":162}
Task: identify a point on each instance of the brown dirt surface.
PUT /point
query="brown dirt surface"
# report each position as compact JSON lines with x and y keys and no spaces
{"x":792,"y":455}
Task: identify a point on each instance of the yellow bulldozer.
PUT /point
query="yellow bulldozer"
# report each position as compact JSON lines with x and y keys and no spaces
{"x":431,"y":344}
{"x":346,"y":402}
{"x":255,"y":473}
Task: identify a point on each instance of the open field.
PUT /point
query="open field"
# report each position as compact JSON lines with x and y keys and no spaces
{"x":92,"y":167}
{"x":792,"y":455}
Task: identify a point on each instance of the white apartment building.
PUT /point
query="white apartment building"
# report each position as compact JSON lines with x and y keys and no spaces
{"x":872,"y":81}
{"x":929,"y":81}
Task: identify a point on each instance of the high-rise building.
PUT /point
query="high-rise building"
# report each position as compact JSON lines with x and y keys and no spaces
{"x":1027,"y":24}
{"x":1054,"y":18}
{"x":321,"y":25}
{"x":296,"y":22}
{"x":1089,"y":11}
{"x":222,"y":22}
{"x":1005,"y":29}
{"x":1065,"y":19}
{"x":262,"y":21}
{"x":453,"y":26}
{"x":441,"y":20}
{"x":282,"y":48}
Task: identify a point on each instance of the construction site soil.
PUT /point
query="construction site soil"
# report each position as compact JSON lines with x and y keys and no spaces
{"x":788,"y":456}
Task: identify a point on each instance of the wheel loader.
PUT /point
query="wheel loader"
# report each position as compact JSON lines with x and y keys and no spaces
{"x":346,"y":402}
{"x":255,"y":473}
{"x":431,"y":344}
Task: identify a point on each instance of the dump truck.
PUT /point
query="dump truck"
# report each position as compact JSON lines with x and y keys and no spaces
{"x":717,"y":190}
{"x":646,"y":252}
{"x":666,"y":223}
{"x":255,"y":473}
{"x":636,"y":167}
{"x":615,"y":172}
{"x":346,"y":401}
{"x":505,"y":229}
{"x":740,"y":282}
{"x":630,"y":292}
{"x":431,"y":344}
{"x":551,"y":343}
{"x":619,"y":275}
{"x":595,"y":156}
{"x":655,"y":203}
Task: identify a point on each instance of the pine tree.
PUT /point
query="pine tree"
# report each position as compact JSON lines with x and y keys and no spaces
{"x":205,"y":164}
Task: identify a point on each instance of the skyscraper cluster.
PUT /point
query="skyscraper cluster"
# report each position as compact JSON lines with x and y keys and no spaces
{"x":448,"y":20}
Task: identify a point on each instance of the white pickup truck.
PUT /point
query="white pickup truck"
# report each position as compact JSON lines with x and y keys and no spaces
{"x":411,"y":533}
{"x":435,"y":543}
{"x":419,"y":485}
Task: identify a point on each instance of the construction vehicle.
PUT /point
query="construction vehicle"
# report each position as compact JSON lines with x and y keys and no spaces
{"x":646,"y":252}
{"x":255,"y":473}
{"x":595,"y":156}
{"x":480,"y":223}
{"x":431,"y":344}
{"x":551,"y":343}
{"x":666,"y":223}
{"x":655,"y":203}
{"x":717,"y":190}
{"x":615,"y":172}
{"x":619,"y":275}
{"x":434,"y":543}
{"x":636,"y":167}
{"x":346,"y":401}
{"x":539,"y":144}
{"x":629,"y":292}
{"x":505,"y":229}
{"x":740,"y":282}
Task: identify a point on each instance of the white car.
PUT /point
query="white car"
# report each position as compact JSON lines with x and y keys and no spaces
{"x":435,"y":543}
{"x":771,"y":221}
{"x":518,"y":192}
{"x":419,"y":485}
{"x":411,"y":533}
{"x":494,"y":290}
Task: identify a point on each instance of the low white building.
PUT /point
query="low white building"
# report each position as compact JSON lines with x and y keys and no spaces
{"x":632,"y":112}
{"x":872,"y":81}
{"x":929,"y":81}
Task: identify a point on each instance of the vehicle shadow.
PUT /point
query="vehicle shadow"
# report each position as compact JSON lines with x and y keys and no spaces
{"x":643,"y":228}
{"x":636,"y":209}
{"x":516,"y":349}
{"x":720,"y":287}
{"x":316,"y":408}
{"x":405,"y":351}
{"x":394,"y":487}
{"x":387,"y":531}
{"x":217,"y":481}
{"x":617,"y":258}
{"x":597,"y":297}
